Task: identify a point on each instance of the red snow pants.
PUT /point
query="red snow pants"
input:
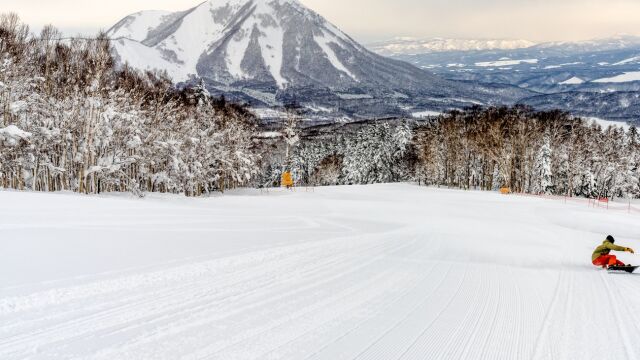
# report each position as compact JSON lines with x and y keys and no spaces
{"x":607,"y":260}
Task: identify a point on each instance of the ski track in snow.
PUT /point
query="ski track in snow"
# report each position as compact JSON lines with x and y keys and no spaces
{"x":368,"y":272}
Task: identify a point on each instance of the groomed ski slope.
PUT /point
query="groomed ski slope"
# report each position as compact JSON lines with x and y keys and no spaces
{"x":367,"y":272}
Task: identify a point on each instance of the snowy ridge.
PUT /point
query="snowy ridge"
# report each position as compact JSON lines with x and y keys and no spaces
{"x":325,"y":40}
{"x":137,"y":26}
{"x":626,"y":77}
{"x":572,"y":81}
{"x":412,"y":46}
{"x":409,"y":45}
{"x":635,"y":59}
{"x":610,"y":43}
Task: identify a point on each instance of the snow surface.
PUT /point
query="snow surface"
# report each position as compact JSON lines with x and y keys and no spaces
{"x":573,"y":81}
{"x":506,"y":62}
{"x":324,"y":41}
{"x":561,"y":65}
{"x":267,"y":113}
{"x":353,"y":96}
{"x":142,"y":57}
{"x":271,"y":45}
{"x":628,"y":61}
{"x":194,"y":36}
{"x":425,"y":114}
{"x":270,"y":135}
{"x":607,"y":123}
{"x":354,"y":272}
{"x":409,"y":45}
{"x":137,"y":26}
{"x":626,"y":77}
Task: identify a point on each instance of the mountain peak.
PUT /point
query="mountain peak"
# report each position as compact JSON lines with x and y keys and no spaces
{"x":271,"y":52}
{"x":233,"y":40}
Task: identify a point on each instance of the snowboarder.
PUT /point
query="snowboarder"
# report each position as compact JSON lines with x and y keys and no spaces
{"x":601,"y":255}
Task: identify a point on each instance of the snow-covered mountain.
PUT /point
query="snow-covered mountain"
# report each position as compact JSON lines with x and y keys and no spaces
{"x":409,"y":45}
{"x":269,"y":52}
{"x":617,"y":42}
{"x":276,"y":42}
{"x":235,"y":40}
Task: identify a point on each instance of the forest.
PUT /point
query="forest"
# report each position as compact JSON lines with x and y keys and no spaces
{"x":71,"y":119}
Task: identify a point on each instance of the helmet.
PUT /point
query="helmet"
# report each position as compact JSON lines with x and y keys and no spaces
{"x":611,"y":239}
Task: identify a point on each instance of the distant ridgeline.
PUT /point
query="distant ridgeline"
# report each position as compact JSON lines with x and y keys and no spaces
{"x":71,"y":121}
{"x":595,"y":78}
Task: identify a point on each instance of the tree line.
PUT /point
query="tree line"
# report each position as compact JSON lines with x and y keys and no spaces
{"x":527,"y":151}
{"x":71,"y":120}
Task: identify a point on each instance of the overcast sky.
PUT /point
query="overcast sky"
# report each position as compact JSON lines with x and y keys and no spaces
{"x":372,"y":20}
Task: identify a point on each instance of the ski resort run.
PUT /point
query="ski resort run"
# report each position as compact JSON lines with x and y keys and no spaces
{"x":355,"y":272}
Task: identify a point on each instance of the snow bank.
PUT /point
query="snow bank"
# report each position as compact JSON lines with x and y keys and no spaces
{"x":142,"y":57}
{"x":628,"y":61}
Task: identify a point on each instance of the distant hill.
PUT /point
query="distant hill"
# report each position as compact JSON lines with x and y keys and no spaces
{"x":595,"y":78}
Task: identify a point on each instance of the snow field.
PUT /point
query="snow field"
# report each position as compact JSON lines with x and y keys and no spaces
{"x":363,"y":272}
{"x":625,"y":77}
{"x":573,"y":81}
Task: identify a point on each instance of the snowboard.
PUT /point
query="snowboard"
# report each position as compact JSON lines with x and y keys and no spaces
{"x":627,"y":268}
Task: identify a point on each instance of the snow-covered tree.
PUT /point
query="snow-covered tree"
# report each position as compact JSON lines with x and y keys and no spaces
{"x":543,"y":168}
{"x":94,"y":127}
